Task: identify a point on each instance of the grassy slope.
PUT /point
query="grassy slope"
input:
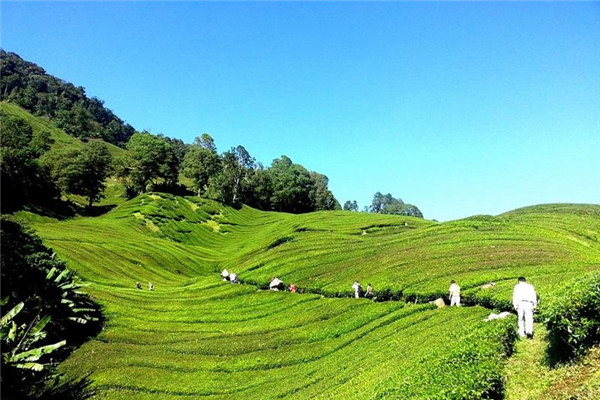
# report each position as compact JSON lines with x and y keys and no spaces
{"x":61,"y":139}
{"x":198,"y":336}
{"x":114,"y":190}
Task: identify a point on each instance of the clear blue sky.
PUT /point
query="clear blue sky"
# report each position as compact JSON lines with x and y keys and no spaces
{"x":460,"y":108}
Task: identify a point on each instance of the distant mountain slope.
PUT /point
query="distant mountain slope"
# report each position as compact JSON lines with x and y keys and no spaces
{"x":66,"y":105}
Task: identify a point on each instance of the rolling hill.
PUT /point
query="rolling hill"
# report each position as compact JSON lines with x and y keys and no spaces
{"x":195,"y":335}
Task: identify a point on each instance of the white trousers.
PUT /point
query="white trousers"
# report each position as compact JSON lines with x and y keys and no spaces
{"x":525,"y":315}
{"x":454,"y":301}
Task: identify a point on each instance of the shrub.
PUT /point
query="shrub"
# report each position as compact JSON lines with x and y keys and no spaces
{"x":573,"y":320}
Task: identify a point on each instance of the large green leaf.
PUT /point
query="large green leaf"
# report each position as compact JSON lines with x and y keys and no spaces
{"x":40,"y":325}
{"x":51,"y":273}
{"x":11,"y":314}
{"x":31,"y":366}
{"x":35,"y":354}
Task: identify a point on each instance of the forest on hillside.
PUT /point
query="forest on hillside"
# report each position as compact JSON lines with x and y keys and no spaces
{"x":35,"y":170}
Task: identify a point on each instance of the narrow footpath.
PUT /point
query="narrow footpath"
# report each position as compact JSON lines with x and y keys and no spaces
{"x":528,"y":376}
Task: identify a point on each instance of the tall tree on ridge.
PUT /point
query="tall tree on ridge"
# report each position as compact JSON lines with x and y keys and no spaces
{"x":200,"y":163}
{"x":232,"y":184}
{"x":151,"y":161}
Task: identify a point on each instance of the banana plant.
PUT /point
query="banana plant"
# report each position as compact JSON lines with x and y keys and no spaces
{"x":71,"y":296}
{"x":18,"y":341}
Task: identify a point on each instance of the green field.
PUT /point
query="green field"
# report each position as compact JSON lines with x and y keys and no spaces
{"x":196,"y":336}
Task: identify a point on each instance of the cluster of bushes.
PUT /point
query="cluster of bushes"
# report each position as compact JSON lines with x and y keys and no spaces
{"x":573,"y":319}
{"x":44,"y":316}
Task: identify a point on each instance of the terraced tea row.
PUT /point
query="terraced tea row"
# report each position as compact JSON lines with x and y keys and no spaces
{"x":218,"y":340}
{"x":402,"y":256}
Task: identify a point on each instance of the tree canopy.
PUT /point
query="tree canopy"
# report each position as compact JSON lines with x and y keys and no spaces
{"x":151,"y":161}
{"x":387,"y":204}
{"x":24,"y":178}
{"x":83,"y":172}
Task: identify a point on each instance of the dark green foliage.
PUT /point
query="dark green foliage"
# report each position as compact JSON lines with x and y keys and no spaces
{"x":151,"y":161}
{"x":262,"y":188}
{"x":573,"y":319}
{"x":387,"y":204}
{"x":28,"y":85}
{"x":232,"y":184}
{"x":200,"y":164}
{"x":179,"y":148}
{"x":319,"y":194}
{"x":52,"y":310}
{"x":351,"y":205}
{"x":24,"y":179}
{"x":291,"y":186}
{"x":83,"y":171}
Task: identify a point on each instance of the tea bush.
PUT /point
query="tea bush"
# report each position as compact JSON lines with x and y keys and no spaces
{"x":573,"y":319}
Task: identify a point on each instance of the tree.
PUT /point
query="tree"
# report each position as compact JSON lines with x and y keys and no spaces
{"x":261,"y":188}
{"x":351,"y":205}
{"x":83,"y":171}
{"x":200,"y":164}
{"x":321,"y":197}
{"x":206,"y":141}
{"x":232,"y":184}
{"x":291,"y":186}
{"x":25,"y":180}
{"x":180,"y":149}
{"x":387,"y":204}
{"x":151,"y":161}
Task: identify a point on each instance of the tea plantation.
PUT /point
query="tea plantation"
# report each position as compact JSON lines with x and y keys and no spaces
{"x":196,"y":336}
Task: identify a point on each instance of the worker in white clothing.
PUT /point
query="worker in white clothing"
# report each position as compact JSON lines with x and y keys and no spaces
{"x":276,"y":284}
{"x":233,"y":278}
{"x":358,"y":290}
{"x":225,"y":275}
{"x":454,"y":295}
{"x":525,"y":302}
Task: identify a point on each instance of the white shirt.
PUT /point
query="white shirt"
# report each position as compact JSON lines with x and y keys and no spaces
{"x":225,"y":273}
{"x":233,"y":276}
{"x":524,"y":292}
{"x":454,"y":290}
{"x":275,"y":282}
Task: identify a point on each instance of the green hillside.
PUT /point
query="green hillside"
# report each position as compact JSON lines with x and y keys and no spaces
{"x":114,"y":189}
{"x":198,"y":336}
{"x":61,"y":139}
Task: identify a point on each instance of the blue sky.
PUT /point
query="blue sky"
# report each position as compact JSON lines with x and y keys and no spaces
{"x":461,"y":108}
